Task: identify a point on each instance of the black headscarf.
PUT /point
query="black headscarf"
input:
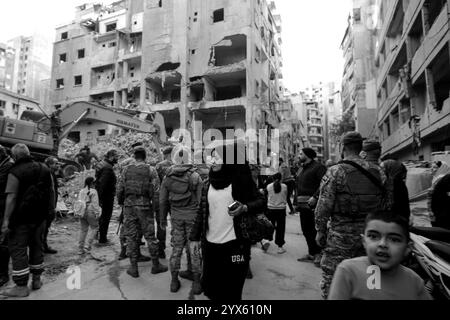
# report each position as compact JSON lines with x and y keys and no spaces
{"x":221,"y":179}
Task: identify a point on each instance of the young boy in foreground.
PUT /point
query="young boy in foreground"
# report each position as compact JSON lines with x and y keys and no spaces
{"x":380,"y":275}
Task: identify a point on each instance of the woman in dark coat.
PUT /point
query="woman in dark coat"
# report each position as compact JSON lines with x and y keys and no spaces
{"x":226,"y":253}
{"x":396,"y":174}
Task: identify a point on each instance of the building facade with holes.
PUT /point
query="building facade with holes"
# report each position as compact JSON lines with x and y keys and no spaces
{"x":413,"y":78}
{"x":201,"y":64}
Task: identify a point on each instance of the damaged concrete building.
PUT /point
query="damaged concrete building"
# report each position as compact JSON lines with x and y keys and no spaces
{"x":413,"y":80}
{"x":214,"y":62}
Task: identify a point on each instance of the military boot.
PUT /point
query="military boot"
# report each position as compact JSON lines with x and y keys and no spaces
{"x":197,"y":285}
{"x":36,"y":282}
{"x":188,"y":275}
{"x":123,"y":253}
{"x":142,"y":258}
{"x":158,"y":267}
{"x":175,"y":283}
{"x":133,"y":270}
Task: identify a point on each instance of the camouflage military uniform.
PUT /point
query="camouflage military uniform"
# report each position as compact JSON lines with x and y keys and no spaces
{"x":138,"y":192}
{"x":122,"y":238}
{"x":344,"y":209}
{"x":162,"y":168}
{"x":182,"y":216}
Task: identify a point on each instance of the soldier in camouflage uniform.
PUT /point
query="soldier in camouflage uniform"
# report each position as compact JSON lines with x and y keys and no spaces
{"x":123,"y":241}
{"x":163,"y":168}
{"x":138,"y":193}
{"x":347,"y":196}
{"x":181,"y":190}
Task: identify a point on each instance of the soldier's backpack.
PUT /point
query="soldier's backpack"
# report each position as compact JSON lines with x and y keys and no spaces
{"x":365,"y":198}
{"x":182,"y":189}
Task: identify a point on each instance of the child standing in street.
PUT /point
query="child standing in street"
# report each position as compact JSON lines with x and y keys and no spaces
{"x":89,"y":196}
{"x":276,"y":203}
{"x":380,"y":275}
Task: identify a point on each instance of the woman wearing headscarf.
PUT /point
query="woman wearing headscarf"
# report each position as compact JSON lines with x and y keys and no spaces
{"x":396,"y":174}
{"x":225,"y":252}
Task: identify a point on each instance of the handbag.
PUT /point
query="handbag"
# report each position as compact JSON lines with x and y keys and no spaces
{"x":256,"y":228}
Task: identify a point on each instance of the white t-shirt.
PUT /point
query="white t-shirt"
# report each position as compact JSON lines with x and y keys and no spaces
{"x":276,"y":201}
{"x":221,"y":225}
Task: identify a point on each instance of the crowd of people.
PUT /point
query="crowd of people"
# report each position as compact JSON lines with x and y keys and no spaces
{"x":353,"y":215}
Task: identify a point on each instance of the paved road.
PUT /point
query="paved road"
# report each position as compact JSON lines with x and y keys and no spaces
{"x":276,"y":277}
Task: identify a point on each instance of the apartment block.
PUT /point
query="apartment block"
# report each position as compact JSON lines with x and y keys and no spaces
{"x":413,"y":82}
{"x":359,"y":77}
{"x":7,"y":57}
{"x":292,"y":128}
{"x":31,"y":64}
{"x":313,"y":114}
{"x":12,"y":105}
{"x":201,"y":64}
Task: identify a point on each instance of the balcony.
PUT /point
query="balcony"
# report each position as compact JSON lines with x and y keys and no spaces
{"x":218,"y":104}
{"x":433,"y":43}
{"x":402,"y":138}
{"x":394,"y":97}
{"x":168,"y":106}
{"x":315,"y":135}
{"x":390,"y":12}
{"x":315,"y":125}
{"x":391,"y":57}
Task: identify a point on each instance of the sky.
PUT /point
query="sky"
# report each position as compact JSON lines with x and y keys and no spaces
{"x":312,"y":33}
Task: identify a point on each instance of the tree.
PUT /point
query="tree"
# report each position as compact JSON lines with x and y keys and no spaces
{"x":343,"y":125}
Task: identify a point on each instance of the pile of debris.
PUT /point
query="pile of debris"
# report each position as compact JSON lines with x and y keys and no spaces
{"x":122,"y":144}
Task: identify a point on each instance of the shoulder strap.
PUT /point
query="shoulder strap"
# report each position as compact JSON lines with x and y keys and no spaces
{"x":366,"y":173}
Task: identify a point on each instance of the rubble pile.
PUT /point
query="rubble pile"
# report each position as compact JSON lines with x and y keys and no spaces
{"x":70,"y":189}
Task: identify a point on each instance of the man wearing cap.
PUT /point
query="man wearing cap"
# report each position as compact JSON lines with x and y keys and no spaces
{"x":347,"y":196}
{"x":163,"y":168}
{"x":138,"y":193}
{"x":306,"y":195}
{"x":371,"y":152}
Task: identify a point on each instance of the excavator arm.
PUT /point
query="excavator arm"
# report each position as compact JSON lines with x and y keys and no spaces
{"x":69,"y":117}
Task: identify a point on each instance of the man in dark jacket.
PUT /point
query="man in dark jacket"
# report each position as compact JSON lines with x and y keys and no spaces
{"x":6,"y":164}
{"x":30,"y":196}
{"x":307,"y":193}
{"x":106,"y":187}
{"x":54,"y":166}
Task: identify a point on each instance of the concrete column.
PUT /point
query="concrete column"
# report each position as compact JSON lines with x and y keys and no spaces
{"x":142,"y":94}
{"x":124,"y":97}
{"x":117,"y":101}
{"x":125,"y":71}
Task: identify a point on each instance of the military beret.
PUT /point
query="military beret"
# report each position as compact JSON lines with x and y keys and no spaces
{"x":351,"y":137}
{"x":371,"y":145}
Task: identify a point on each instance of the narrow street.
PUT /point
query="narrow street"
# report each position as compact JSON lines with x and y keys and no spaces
{"x":276,"y":277}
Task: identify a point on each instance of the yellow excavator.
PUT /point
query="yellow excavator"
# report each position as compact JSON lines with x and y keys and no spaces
{"x":43,"y":133}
